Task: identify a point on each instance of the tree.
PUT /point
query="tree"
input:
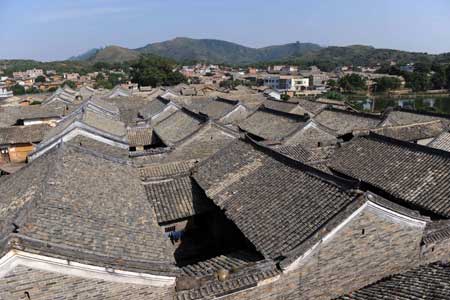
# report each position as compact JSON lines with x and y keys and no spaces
{"x":419,"y":82}
{"x":422,"y":67}
{"x":334,"y":96}
{"x":32,"y":90}
{"x":352,"y":82}
{"x":103,"y":84}
{"x":70,"y":84}
{"x":99,"y":66}
{"x":386,"y":83}
{"x":40,"y":78}
{"x":332,"y":84}
{"x":447,"y":76}
{"x":439,"y":80}
{"x":285,"y":97}
{"x":115,"y":78}
{"x":18,"y":89}
{"x":100,"y":77}
{"x":155,"y":71}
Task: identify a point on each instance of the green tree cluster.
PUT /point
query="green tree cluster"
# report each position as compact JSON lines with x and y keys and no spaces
{"x":40,"y":78}
{"x":70,"y":84}
{"x":18,"y":89}
{"x":351,"y":83}
{"x":386,"y":83}
{"x":155,"y":71}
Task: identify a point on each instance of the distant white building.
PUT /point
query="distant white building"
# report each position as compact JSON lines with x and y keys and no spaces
{"x":71,"y":76}
{"x":287,"y":83}
{"x":4,"y":93}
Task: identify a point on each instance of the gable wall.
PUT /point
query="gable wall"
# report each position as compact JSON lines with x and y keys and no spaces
{"x":310,"y":136}
{"x":42,"y":285}
{"x":347,"y":261}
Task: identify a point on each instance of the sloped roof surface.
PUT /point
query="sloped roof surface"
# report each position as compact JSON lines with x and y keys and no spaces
{"x":423,"y":282}
{"x":274,"y":202}
{"x":416,"y":174}
{"x":75,"y":200}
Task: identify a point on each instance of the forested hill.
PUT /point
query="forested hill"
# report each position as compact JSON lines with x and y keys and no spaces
{"x":202,"y":50}
{"x":216,"y":51}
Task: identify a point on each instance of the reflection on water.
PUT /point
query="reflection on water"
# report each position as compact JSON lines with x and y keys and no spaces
{"x":436,"y":104}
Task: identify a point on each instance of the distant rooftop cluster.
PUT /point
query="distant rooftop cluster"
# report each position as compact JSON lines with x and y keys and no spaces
{"x":200,"y":192}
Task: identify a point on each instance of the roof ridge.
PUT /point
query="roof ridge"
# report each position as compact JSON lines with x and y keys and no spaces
{"x":423,"y":112}
{"x":344,"y":184}
{"x":302,"y":118}
{"x":199,"y":116}
{"x":425,"y":149}
{"x":229,"y":101}
{"x":356,"y":113}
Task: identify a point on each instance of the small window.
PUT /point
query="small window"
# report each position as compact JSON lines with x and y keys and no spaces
{"x":170,"y":229}
{"x":363,"y":231}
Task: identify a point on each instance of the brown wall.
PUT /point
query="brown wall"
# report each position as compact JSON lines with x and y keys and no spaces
{"x":19,"y":153}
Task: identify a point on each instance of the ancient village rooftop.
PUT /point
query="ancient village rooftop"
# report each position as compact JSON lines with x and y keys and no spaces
{"x":169,"y":194}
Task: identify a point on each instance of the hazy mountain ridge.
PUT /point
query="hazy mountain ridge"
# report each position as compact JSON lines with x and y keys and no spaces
{"x":218,"y":51}
{"x":208,"y":50}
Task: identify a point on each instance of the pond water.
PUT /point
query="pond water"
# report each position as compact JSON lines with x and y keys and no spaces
{"x":378,"y":104}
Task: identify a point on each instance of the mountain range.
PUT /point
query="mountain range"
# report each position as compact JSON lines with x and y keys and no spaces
{"x":208,"y":50}
{"x":218,"y":51}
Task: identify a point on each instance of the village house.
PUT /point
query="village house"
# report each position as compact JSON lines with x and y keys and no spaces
{"x":220,"y":194}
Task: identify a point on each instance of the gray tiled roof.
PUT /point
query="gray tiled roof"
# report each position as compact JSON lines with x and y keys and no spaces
{"x":423,"y":282}
{"x":163,"y":170}
{"x":436,"y":231}
{"x":176,"y":199}
{"x":276,"y":202}
{"x":177,"y":126}
{"x":297,"y":152}
{"x":411,"y":132}
{"x":271,"y":124}
{"x":243,"y":275}
{"x":234,"y":260}
{"x":94,"y":120}
{"x":344,"y":122}
{"x":312,"y":135}
{"x":99,"y":147}
{"x":23,"y":134}
{"x":89,"y":209}
{"x":406,"y":116}
{"x":310,"y":107}
{"x":153,"y":107}
{"x":139,"y":136}
{"x":288,"y":107}
{"x":441,"y":142}
{"x":417,"y":175}
{"x":213,"y":108}
{"x":10,"y":115}
{"x":209,"y":139}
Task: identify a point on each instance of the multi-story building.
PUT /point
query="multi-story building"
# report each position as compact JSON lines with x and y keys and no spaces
{"x":72,"y":76}
{"x":283,"y":83}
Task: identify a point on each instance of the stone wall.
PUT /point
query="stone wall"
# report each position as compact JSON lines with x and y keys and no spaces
{"x":437,"y":251}
{"x":29,"y":284}
{"x":365,"y":250}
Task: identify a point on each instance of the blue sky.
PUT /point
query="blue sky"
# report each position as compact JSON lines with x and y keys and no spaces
{"x":58,"y":29}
